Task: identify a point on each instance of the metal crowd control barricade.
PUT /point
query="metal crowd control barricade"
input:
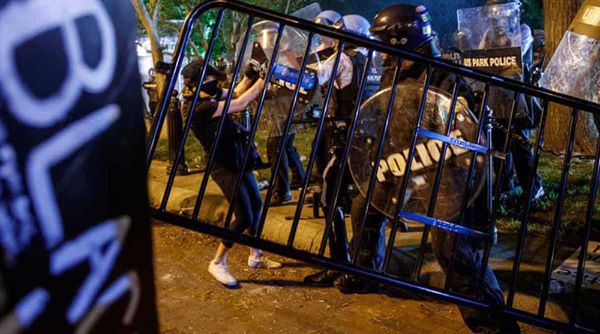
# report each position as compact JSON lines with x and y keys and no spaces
{"x":478,"y":148}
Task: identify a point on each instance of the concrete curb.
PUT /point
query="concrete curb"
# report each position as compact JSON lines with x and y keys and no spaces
{"x":278,"y":223}
{"x":214,"y":210}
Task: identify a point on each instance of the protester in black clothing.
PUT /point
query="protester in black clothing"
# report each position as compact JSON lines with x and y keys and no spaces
{"x":228,"y":160}
{"x":408,"y":28}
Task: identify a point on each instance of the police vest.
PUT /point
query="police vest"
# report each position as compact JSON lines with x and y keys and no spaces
{"x":346,"y":97}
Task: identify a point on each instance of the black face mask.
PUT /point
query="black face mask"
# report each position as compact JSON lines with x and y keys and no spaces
{"x":211,"y":88}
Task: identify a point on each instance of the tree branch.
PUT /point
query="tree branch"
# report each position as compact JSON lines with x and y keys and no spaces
{"x":195,"y":48}
{"x":287,"y":7}
{"x":156,"y":13}
{"x":203,"y":41}
{"x":151,"y":30}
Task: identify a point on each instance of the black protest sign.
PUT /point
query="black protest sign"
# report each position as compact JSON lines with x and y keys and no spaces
{"x":74,"y":224}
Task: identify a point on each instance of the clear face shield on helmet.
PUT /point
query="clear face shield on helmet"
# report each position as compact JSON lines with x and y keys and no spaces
{"x":286,"y":69}
{"x":268,"y":37}
{"x":328,"y":18}
{"x":320,"y":43}
{"x":490,"y":27}
{"x":264,"y":36}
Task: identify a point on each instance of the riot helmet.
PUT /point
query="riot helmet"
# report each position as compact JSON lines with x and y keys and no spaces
{"x":355,"y":24}
{"x":403,"y":25}
{"x":267,"y":36}
{"x":328,"y":18}
{"x":500,"y":2}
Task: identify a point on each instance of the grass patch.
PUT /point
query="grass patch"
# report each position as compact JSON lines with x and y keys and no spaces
{"x":543,"y":212}
{"x":194,"y":152}
{"x":195,"y":156}
{"x":513,"y":225}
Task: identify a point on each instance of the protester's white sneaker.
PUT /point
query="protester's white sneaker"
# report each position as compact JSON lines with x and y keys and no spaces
{"x":221,"y":273}
{"x":262,"y":262}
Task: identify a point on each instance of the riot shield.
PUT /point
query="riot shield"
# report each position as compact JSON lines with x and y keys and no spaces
{"x":308,"y":12}
{"x":393,"y":162}
{"x":289,"y":57}
{"x":489,"y":38}
{"x":575,"y":67}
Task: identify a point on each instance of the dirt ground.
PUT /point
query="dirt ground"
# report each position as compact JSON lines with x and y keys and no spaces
{"x":275,"y":301}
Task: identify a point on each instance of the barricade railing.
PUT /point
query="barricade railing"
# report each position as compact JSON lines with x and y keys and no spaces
{"x":480,"y":148}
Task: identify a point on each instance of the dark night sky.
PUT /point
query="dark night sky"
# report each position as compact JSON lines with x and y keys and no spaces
{"x":443,"y":12}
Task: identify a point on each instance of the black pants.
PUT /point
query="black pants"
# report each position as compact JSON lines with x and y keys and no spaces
{"x":294,"y":161}
{"x":467,"y":271}
{"x":519,"y":159}
{"x":247,"y":203}
{"x":322,"y":155}
{"x":371,"y":250}
{"x":338,"y":239}
{"x":290,"y":159}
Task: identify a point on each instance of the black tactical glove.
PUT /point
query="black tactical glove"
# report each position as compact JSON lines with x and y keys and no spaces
{"x":257,"y":66}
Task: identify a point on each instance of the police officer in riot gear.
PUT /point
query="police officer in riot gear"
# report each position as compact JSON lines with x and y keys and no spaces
{"x":338,"y":243}
{"x":371,"y":242}
{"x":277,"y":105}
{"x":342,"y":106}
{"x":519,"y":157}
{"x":499,"y":35}
{"x":408,"y":27}
{"x":409,"y":30}
{"x":324,"y":50}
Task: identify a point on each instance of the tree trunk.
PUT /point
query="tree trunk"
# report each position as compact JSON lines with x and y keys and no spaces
{"x":559,"y":14}
{"x":152,"y":31}
{"x":236,"y":33}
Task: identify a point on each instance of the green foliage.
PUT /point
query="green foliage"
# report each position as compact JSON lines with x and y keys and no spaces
{"x":171,"y":13}
{"x":280,"y":5}
{"x":533,"y":13}
{"x":542,"y":214}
